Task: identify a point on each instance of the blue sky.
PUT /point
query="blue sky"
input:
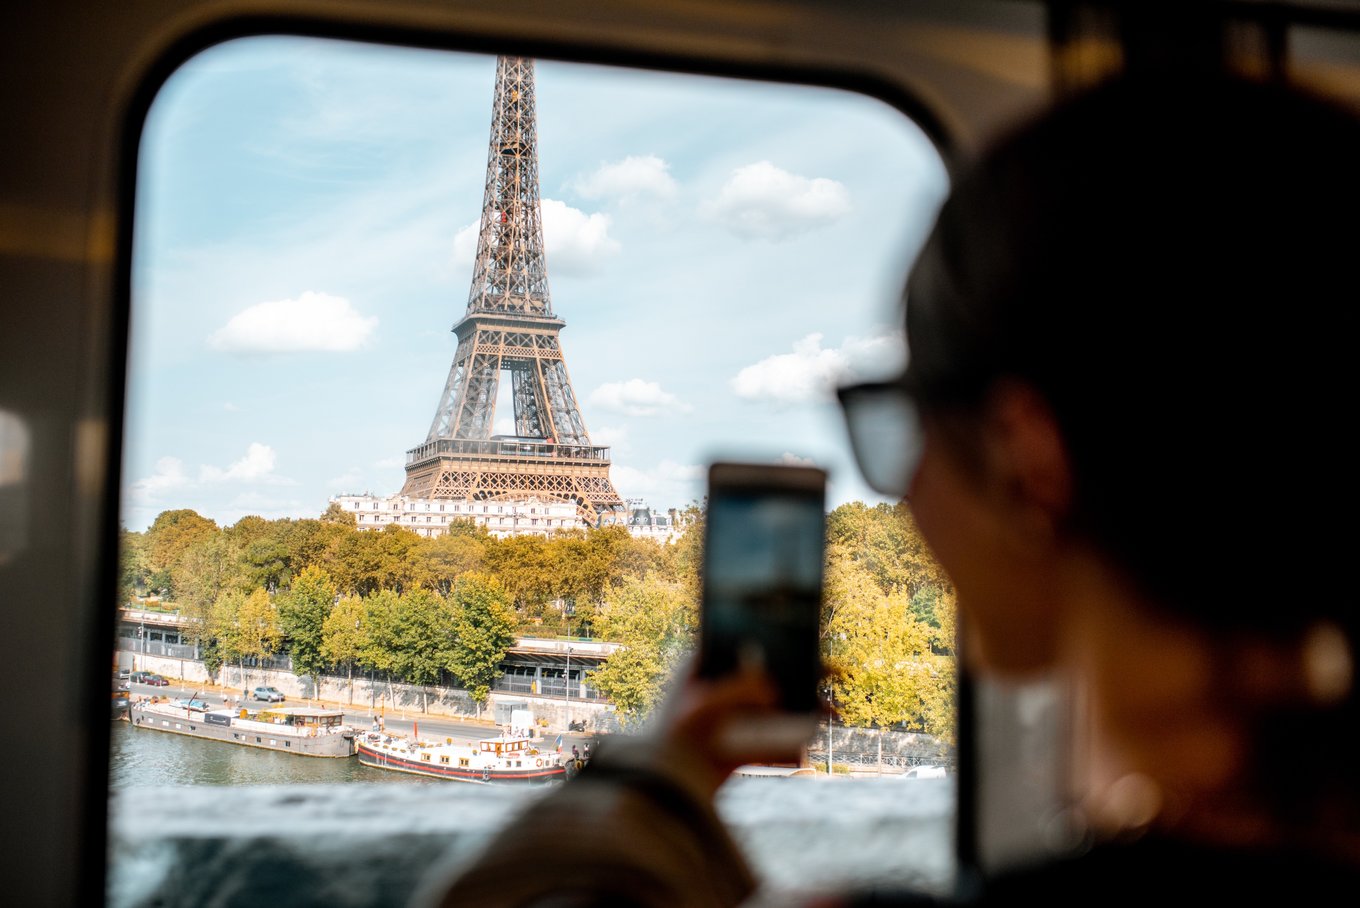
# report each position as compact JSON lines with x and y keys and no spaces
{"x":721,"y":252}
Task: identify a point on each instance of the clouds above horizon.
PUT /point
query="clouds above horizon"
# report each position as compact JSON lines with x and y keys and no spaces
{"x":256,"y":467}
{"x":811,"y":372}
{"x":312,"y":322}
{"x":762,"y":201}
{"x":667,"y":484}
{"x":628,"y":180}
{"x":636,"y":397}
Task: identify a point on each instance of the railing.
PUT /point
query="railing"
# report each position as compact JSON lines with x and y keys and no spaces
{"x":503,"y":448}
{"x":158,"y":648}
{"x":865,"y":758}
{"x":546,"y":687}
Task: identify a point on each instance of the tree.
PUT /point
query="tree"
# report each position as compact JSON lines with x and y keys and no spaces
{"x":169,"y":537}
{"x":484,"y":628}
{"x":457,"y":552}
{"x":207,"y":569}
{"x":257,"y":634}
{"x":336,"y":514}
{"x":421,"y":638}
{"x":885,"y":670}
{"x":655,"y":620}
{"x":303,"y":610}
{"x":134,"y":567}
{"x":344,"y":636}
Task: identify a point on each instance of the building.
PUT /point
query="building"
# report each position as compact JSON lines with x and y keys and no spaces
{"x":649,"y":523}
{"x":433,"y":516}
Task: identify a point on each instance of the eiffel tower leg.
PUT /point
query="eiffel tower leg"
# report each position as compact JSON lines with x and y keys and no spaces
{"x":479,"y":403}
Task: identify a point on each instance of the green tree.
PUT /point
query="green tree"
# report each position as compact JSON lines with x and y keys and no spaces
{"x":207,"y":569}
{"x":134,"y":567}
{"x":421,"y":638}
{"x":655,"y":620}
{"x":344,"y":636}
{"x":303,"y":610}
{"x":484,"y":629}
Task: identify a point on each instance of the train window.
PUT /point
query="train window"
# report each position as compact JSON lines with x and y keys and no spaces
{"x":643,"y":271}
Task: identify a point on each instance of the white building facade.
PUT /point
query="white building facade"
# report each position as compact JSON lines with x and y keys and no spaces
{"x":520,"y":517}
{"x":433,"y":517}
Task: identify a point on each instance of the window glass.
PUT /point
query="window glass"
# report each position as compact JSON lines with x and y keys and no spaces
{"x":719,"y":254}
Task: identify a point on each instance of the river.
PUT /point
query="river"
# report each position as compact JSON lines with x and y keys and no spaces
{"x":196,"y":822}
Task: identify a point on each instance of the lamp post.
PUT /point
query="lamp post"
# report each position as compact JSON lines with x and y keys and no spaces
{"x":568,"y":680}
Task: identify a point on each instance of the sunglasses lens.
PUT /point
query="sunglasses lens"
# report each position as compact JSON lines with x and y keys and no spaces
{"x":885,"y":434}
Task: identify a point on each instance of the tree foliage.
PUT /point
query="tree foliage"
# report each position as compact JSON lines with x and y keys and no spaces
{"x":303,"y":610}
{"x":415,"y":607}
{"x":484,"y":631}
{"x":655,"y":620}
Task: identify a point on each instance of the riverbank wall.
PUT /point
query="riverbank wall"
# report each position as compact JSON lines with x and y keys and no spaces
{"x":378,"y":696}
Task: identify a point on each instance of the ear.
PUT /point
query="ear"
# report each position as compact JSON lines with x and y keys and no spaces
{"x":1028,"y":454}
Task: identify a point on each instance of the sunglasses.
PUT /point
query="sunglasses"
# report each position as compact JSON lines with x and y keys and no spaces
{"x":884,"y":423}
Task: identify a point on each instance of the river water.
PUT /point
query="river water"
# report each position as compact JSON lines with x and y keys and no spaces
{"x":196,"y":822}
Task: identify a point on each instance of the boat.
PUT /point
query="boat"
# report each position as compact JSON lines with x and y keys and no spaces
{"x":509,"y":758}
{"x":303,"y":730}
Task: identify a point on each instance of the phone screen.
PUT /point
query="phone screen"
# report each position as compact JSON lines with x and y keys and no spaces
{"x":763,"y":556}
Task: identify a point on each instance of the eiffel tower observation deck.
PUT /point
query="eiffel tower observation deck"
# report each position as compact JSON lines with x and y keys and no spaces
{"x":509,"y":328}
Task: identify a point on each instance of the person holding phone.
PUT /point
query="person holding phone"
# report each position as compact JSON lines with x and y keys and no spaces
{"x":1124,"y":431}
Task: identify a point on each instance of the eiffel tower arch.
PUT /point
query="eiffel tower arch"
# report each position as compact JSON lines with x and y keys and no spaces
{"x":510,"y":329}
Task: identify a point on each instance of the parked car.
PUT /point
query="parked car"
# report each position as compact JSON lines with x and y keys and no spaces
{"x":151,"y":678}
{"x":120,"y":683}
{"x":925,"y":772}
{"x":269,"y":694}
{"x":124,"y":673}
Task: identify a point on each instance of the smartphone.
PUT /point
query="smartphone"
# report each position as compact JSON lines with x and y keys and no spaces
{"x":764,"y":548}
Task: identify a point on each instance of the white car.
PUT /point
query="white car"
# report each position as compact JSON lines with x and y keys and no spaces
{"x":924,"y":772}
{"x":268,"y":694}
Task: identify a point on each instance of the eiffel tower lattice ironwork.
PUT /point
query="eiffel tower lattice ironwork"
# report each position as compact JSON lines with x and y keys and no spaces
{"x":510,"y":327}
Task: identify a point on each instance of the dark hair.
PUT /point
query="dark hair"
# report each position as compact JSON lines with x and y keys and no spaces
{"x":1171,"y":266}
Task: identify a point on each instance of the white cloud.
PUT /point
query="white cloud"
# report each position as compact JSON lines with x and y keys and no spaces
{"x":168,"y":476}
{"x":789,"y":459}
{"x":504,"y":425}
{"x":576,"y":241}
{"x":634,"y":176}
{"x":764,"y":201}
{"x":256,"y":466}
{"x":465,"y":244}
{"x":312,"y":322}
{"x":811,"y":372}
{"x":636,"y":397}
{"x":667,"y":485}
{"x":231,"y":407}
{"x":615,"y":437}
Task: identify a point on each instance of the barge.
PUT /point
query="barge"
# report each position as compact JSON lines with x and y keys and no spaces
{"x":302,"y":730}
{"x":509,"y":758}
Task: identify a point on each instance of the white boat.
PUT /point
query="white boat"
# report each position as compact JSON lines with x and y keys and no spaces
{"x":303,"y":730}
{"x":509,"y":758}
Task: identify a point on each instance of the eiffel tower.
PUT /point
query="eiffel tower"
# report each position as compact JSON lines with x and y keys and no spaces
{"x":510,"y":327}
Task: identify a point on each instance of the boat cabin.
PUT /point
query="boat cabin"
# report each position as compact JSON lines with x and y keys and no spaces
{"x":303,"y":717}
{"x":502,"y":748}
